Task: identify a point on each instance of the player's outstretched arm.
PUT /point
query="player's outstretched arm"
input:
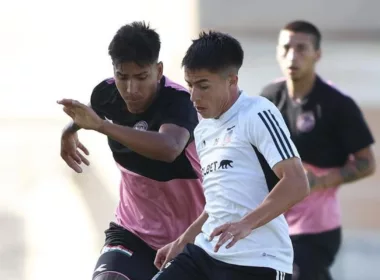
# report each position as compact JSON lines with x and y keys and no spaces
{"x":165,"y":145}
{"x":171,"y":250}
{"x":72,"y":150}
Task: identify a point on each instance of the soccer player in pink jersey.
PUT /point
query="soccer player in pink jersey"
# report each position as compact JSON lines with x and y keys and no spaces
{"x":333,"y":140}
{"x":149,"y":122}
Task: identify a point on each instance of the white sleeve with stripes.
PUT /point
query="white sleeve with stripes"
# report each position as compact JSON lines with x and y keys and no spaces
{"x":270,"y":135}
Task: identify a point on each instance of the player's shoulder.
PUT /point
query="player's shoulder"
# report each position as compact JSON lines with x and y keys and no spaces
{"x":273,"y":90}
{"x":257,"y":109}
{"x":254,"y":105}
{"x":172,"y":93}
{"x":172,"y":89}
{"x":104,"y":92}
{"x":332,"y":95}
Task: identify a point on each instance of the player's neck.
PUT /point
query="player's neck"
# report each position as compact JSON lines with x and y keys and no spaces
{"x":301,"y":88}
{"x":231,"y":101}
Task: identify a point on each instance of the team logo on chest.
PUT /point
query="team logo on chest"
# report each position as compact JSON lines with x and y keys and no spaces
{"x":305,"y":122}
{"x":216,"y":141}
{"x":228,"y":135}
{"x":141,"y":125}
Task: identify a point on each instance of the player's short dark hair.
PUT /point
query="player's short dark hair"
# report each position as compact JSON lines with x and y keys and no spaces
{"x":135,"y":42}
{"x":214,"y":52}
{"x":306,"y":27}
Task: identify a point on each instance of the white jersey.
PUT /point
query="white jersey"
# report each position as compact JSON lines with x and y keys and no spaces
{"x":237,"y":153}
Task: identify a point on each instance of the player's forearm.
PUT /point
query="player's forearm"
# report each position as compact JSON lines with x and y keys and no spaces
{"x":153,"y":145}
{"x":194,"y":229}
{"x":288,"y":192}
{"x":352,"y":171}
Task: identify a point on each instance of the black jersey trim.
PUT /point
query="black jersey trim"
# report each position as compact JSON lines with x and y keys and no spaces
{"x":283,"y":134}
{"x":276,"y":132}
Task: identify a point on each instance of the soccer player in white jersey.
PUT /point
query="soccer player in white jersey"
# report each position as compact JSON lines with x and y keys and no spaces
{"x":252,"y":174}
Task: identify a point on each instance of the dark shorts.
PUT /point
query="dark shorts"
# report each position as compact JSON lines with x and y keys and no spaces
{"x":195,"y":264}
{"x":314,"y":254}
{"x":125,"y":256}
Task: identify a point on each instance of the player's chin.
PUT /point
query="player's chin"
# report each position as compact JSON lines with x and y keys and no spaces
{"x":295,"y":77}
{"x":205,"y":114}
{"x":135,"y":107}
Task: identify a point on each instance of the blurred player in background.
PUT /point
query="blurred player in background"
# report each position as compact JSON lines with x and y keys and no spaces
{"x":149,"y":122}
{"x":333,"y":140}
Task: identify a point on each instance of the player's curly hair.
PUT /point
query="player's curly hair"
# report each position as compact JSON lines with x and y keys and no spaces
{"x":135,"y":42}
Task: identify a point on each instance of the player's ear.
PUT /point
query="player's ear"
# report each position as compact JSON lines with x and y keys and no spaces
{"x":233,"y":79}
{"x":160,"y":70}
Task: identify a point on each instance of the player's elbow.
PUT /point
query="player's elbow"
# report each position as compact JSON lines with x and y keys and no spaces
{"x":371,"y":168}
{"x":171,"y":153}
{"x":173,"y":145}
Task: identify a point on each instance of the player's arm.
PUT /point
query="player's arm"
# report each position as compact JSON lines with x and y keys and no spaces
{"x":356,"y":139}
{"x":70,"y":144}
{"x":97,"y":99}
{"x":178,"y":121}
{"x":72,"y":127}
{"x":291,"y":189}
{"x":269,"y":133}
{"x":193,"y":230}
{"x":171,"y":250}
{"x":361,"y":165}
{"x":73,"y":152}
{"x":165,"y":145}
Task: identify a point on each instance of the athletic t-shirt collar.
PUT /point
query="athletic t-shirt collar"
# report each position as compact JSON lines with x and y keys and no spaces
{"x":306,"y":98}
{"x":232,"y":110}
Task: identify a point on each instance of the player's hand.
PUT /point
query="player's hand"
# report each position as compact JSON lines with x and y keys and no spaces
{"x":82,"y":115}
{"x":167,"y":253}
{"x":230,"y":231}
{"x":70,"y":153}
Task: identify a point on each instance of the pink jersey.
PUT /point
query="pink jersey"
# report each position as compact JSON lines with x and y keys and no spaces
{"x":158,"y":200}
{"x":159,"y":212}
{"x":318,"y":212}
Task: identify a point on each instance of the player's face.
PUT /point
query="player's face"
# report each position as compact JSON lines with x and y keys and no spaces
{"x":137,"y":85}
{"x":210,"y":92}
{"x":296,"y":54}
